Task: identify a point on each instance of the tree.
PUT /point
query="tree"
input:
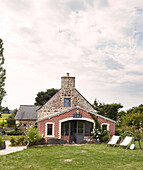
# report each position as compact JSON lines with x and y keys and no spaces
{"x":108,"y":110}
{"x":43,"y":97}
{"x":134,"y":117}
{"x":11,"y":120}
{"x":2,"y":74}
{"x":5,"y":110}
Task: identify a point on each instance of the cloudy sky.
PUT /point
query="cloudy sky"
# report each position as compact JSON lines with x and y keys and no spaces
{"x":100,"y":42}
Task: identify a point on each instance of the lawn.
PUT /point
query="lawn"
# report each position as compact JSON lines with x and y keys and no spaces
{"x":4,"y":118}
{"x":87,"y":157}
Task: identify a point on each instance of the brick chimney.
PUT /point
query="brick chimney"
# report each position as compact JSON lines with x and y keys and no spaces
{"x":68,"y":82}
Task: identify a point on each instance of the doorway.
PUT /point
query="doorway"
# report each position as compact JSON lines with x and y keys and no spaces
{"x":76,"y":130}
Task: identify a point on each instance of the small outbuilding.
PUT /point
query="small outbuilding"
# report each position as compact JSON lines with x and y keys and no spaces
{"x":26,"y":116}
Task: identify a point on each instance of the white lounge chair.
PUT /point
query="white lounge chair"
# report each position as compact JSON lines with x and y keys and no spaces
{"x":113,"y":140}
{"x":126,"y":142}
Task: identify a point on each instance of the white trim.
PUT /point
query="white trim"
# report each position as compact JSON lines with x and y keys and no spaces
{"x":71,"y":118}
{"x":52,"y":129}
{"x":108,"y":125}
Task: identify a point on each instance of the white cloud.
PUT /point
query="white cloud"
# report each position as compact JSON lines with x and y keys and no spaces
{"x":100,"y":42}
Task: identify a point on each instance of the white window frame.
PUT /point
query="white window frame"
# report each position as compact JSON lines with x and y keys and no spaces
{"x":53,"y":125}
{"x":105,"y":124}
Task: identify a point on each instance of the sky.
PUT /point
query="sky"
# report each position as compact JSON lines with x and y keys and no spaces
{"x":100,"y":42}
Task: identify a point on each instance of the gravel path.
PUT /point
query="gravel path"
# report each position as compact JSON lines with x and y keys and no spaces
{"x":11,"y":149}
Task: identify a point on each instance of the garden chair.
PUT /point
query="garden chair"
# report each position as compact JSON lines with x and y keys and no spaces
{"x":126,"y":142}
{"x":113,"y":140}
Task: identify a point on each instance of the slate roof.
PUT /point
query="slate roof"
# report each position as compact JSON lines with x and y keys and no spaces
{"x":27,"y":112}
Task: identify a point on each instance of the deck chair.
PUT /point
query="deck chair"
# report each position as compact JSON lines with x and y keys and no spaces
{"x":113,"y":141}
{"x":126,"y":142}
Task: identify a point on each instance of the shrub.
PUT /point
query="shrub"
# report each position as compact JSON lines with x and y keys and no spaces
{"x":105,"y":138}
{"x":14,"y":133}
{"x":3,"y":132}
{"x":32,"y":136}
{"x":56,"y":141}
{"x":18,"y":140}
{"x":0,"y":141}
{"x":13,"y":140}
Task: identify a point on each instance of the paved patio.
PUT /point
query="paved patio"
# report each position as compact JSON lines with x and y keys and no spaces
{"x":10,"y":149}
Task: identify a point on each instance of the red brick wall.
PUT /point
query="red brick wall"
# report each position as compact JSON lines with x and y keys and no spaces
{"x":56,"y":119}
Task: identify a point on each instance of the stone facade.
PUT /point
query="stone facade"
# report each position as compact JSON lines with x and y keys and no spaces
{"x":25,"y":122}
{"x":56,"y":103}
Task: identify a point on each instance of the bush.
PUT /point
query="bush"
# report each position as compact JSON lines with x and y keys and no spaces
{"x":0,"y":141}
{"x":18,"y":140}
{"x":14,"y":133}
{"x":56,"y":141}
{"x":127,"y":133}
{"x":13,"y":140}
{"x":32,"y":136}
{"x":3,"y":132}
{"x":105,"y":138}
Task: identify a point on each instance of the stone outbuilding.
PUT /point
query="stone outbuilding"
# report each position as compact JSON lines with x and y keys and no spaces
{"x":26,"y":116}
{"x":67,"y":115}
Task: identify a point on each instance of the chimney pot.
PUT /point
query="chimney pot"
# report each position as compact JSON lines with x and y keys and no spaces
{"x":68,"y":74}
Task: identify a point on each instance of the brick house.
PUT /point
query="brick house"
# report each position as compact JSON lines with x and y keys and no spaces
{"x":67,"y":115}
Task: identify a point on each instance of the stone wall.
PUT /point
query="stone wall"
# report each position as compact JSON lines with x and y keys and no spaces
{"x":56,"y":103}
{"x":27,"y":122}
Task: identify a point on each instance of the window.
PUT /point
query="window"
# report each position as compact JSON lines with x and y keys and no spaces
{"x":24,"y":124}
{"x":49,"y":129}
{"x":104,"y":127}
{"x":67,"y":102}
{"x":88,"y":128}
{"x":65,"y":129}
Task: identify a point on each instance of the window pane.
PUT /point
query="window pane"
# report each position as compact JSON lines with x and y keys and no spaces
{"x":62,"y":129}
{"x":88,"y":128}
{"x":80,"y":127}
{"x":24,"y":124}
{"x":49,"y":129}
{"x":67,"y":129}
{"x":67,"y":102}
{"x":104,"y":127}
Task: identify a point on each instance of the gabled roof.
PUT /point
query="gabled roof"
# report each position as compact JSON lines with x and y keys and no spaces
{"x":76,"y":107}
{"x":27,"y":112}
{"x":85,"y":99}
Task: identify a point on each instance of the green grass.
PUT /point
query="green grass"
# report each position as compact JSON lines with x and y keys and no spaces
{"x":4,"y":118}
{"x":85,"y":157}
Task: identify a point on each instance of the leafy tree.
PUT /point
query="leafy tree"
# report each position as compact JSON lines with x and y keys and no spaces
{"x":136,"y":109}
{"x":43,"y":97}
{"x":134,"y":117}
{"x":5,"y":110}
{"x":108,"y":110}
{"x":11,"y":120}
{"x":2,"y":74}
